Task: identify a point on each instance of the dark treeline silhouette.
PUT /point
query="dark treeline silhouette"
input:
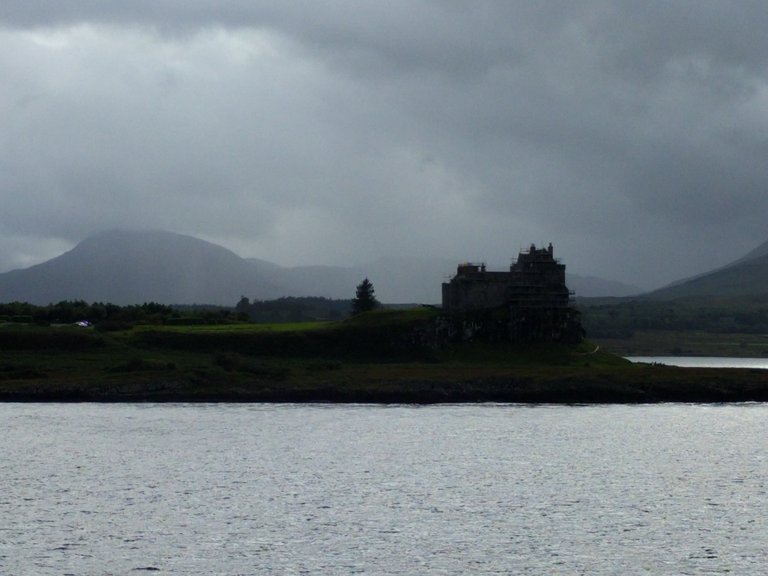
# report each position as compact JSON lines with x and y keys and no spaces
{"x":111,"y":315}
{"x":746,"y":314}
{"x":293,"y":309}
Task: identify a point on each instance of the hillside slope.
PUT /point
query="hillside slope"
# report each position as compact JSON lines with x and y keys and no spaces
{"x":131,"y":267}
{"x":746,"y":276}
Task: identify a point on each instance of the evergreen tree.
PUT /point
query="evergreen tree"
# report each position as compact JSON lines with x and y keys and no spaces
{"x":365,"y":298}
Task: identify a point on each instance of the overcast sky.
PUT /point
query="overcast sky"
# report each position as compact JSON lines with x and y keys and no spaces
{"x":633,"y":135}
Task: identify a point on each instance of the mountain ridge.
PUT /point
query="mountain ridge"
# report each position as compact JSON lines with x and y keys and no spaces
{"x":132,"y":266}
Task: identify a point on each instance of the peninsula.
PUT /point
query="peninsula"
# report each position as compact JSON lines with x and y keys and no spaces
{"x":510,"y":336}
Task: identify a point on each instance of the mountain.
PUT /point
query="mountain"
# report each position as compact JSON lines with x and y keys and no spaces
{"x":135,"y":266}
{"x":407,"y":280}
{"x":745,"y":276}
{"x":131,"y":267}
{"x":593,"y":287}
{"x":761,"y":250}
{"x":395,"y":280}
{"x":325,"y":281}
{"x":410,"y":279}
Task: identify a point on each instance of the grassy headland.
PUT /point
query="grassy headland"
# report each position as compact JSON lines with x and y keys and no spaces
{"x":380,"y":356}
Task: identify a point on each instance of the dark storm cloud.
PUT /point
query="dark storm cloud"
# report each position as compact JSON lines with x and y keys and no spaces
{"x":631,"y":134}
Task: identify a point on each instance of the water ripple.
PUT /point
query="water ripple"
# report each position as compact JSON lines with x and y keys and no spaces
{"x":186,"y":489}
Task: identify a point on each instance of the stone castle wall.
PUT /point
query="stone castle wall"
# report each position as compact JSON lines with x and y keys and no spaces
{"x":535,"y":280}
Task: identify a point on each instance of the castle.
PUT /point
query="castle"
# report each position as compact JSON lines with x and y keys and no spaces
{"x":536,"y":280}
{"x":529,"y":303}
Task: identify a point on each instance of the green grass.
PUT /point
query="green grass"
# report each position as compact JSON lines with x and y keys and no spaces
{"x":290,"y":353}
{"x":353,"y":359}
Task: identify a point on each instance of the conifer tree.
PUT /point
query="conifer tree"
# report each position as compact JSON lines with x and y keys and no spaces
{"x":365,"y":298}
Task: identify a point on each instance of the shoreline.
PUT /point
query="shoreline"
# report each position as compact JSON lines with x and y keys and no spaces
{"x":648,"y":385}
{"x":380,"y":357}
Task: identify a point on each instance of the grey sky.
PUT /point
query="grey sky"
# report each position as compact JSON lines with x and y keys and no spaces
{"x":630,"y":134}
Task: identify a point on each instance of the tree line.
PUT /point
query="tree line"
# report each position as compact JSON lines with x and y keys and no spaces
{"x":308,"y":308}
{"x":288,"y":309}
{"x":746,"y":315}
{"x":292,"y":309}
{"x":107,"y":314}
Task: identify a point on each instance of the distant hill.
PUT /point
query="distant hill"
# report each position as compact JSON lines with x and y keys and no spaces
{"x":405,"y":280}
{"x":746,"y":276}
{"x":325,"y":281}
{"x":592,"y":287}
{"x":136,"y":266}
{"x":132,"y":267}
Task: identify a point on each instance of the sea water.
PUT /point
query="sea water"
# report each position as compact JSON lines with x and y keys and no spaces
{"x":703,"y":361}
{"x":92,"y":489}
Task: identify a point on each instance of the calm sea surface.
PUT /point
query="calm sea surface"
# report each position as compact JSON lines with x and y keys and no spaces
{"x":703,"y":361}
{"x":464,"y":489}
